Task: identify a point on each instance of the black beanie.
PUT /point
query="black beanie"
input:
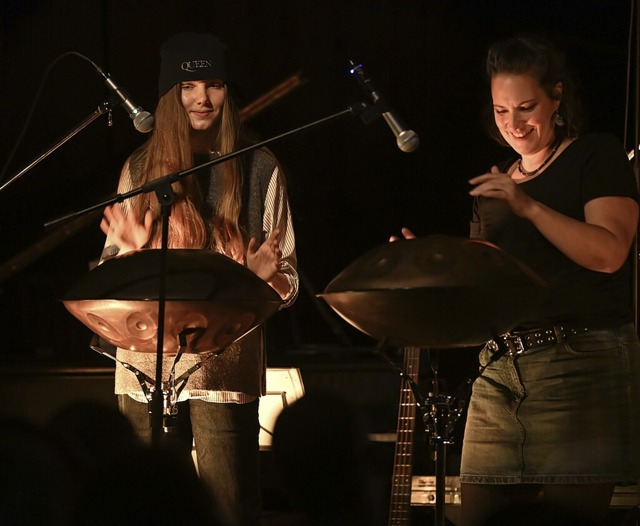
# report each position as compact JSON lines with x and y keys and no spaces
{"x":190,"y":56}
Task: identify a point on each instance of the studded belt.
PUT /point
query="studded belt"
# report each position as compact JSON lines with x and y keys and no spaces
{"x":515,"y":343}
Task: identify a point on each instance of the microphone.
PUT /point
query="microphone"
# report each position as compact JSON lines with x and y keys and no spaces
{"x":143,"y":121}
{"x":406,"y":139}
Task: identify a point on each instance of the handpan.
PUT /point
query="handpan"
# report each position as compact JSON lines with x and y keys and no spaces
{"x":435,"y":291}
{"x":210,"y":299}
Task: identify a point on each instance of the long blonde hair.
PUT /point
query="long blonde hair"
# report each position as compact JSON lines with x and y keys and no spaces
{"x":167,"y":151}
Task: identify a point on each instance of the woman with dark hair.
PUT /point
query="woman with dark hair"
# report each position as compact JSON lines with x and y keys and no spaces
{"x":554,"y":417}
{"x":238,"y":208}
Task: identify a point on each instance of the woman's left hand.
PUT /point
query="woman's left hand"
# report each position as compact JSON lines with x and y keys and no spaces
{"x":499,"y":185}
{"x":600,"y":242}
{"x":264,"y":260}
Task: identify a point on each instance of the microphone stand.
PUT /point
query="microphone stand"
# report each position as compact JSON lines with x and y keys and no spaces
{"x":103,"y":108}
{"x":367,"y":113}
{"x":159,"y":406}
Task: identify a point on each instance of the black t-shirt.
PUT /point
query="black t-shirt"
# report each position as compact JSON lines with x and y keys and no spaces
{"x":594,"y":165}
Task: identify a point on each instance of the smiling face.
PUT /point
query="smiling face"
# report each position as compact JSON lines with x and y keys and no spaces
{"x":523,"y":112}
{"x":203,"y":101}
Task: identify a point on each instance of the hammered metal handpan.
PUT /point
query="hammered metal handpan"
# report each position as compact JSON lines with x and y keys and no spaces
{"x":210,"y":299}
{"x":435,"y":291}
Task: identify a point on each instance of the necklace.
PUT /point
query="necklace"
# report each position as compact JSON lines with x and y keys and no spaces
{"x":546,"y":161}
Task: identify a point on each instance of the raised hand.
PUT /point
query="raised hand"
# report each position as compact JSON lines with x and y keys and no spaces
{"x":264,"y":260}
{"x":501,"y":186}
{"x":124,"y":230}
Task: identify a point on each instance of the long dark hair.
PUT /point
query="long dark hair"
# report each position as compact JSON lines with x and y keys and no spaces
{"x":535,"y":56}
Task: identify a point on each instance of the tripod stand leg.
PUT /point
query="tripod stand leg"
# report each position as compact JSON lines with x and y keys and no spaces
{"x":441,"y":463}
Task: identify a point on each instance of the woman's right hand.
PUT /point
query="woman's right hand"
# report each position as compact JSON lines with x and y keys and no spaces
{"x":124,"y":230}
{"x":406,"y":233}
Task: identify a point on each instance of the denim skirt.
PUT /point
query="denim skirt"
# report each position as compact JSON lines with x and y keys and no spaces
{"x":567,"y":413}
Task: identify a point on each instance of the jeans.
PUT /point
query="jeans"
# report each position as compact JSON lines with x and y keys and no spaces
{"x":227,"y":451}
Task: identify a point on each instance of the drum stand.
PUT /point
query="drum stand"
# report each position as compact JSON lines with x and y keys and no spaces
{"x":440,"y":413}
{"x":170,"y":389}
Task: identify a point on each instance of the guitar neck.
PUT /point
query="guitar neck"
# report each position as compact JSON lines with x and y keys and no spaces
{"x":400,"y":505}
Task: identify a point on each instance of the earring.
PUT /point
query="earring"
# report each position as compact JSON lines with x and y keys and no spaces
{"x":558,"y":120}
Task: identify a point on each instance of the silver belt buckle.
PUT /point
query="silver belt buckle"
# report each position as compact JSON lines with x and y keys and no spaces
{"x":514,"y":344}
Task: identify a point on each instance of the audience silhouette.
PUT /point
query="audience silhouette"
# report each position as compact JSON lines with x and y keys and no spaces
{"x":320,"y":453}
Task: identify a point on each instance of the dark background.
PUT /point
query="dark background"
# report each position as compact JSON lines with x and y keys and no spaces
{"x":350,"y":187}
